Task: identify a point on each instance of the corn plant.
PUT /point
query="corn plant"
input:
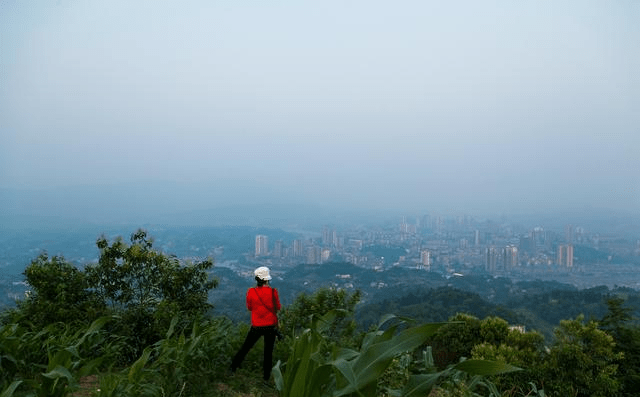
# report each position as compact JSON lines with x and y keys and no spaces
{"x":10,"y":347}
{"x":307,"y":371}
{"x":176,"y":365}
{"x":349,"y":372}
{"x":21,"y":352}
{"x":49,"y":362}
{"x":8,"y":392}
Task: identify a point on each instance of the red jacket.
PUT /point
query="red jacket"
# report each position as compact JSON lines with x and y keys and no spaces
{"x":263,"y":302}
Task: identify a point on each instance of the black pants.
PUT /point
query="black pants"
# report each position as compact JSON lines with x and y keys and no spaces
{"x":252,"y":337}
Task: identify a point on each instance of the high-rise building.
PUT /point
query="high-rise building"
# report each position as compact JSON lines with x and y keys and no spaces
{"x":325,"y":255}
{"x":406,"y":228}
{"x":262,"y":245}
{"x":565,"y":255}
{"x":538,"y":235}
{"x":335,"y":240}
{"x":425,"y":259}
{"x":527,"y":244}
{"x":560,"y":254}
{"x":278,"y":249}
{"x":569,"y":255}
{"x":326,"y":236}
{"x":511,"y":259}
{"x":491,"y":263}
{"x":568,"y":234}
{"x":298,"y":248}
{"x":313,"y":255}
{"x":439,"y":224}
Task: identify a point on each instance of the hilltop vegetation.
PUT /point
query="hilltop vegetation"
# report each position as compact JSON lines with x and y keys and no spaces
{"x":140,"y":322}
{"x":428,"y":296}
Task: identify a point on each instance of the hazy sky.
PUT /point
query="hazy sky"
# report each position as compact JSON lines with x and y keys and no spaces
{"x":461,"y":105}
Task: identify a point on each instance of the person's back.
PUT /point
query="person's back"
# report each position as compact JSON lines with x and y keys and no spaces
{"x":263,"y":303}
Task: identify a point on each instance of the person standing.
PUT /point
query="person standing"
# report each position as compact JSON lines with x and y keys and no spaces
{"x":263,"y":303}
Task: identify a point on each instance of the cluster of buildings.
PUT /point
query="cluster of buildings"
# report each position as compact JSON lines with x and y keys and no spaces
{"x":451,"y":245}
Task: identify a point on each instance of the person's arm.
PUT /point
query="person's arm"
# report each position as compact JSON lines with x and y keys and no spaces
{"x":249,"y":300}
{"x":276,"y":299}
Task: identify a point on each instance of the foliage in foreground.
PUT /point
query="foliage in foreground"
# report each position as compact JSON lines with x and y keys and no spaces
{"x":152,"y":340}
{"x":581,"y":362}
{"x":179,"y":364}
{"x":51,"y":361}
{"x":391,"y":360}
{"x":347,"y":372}
{"x":187,"y":362}
{"x":141,"y":288}
{"x":586,"y":358}
{"x":193,"y":362}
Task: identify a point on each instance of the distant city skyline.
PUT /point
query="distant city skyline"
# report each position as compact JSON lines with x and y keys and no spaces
{"x":579,"y":253}
{"x":436,"y":244}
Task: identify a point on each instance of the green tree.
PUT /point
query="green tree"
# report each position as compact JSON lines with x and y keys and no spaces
{"x":299,"y":314}
{"x":137,"y":276}
{"x":582,"y":361}
{"x":455,"y":340}
{"x":147,"y":288}
{"x":618,"y":323}
{"x":59,"y":292}
{"x":522,"y":349}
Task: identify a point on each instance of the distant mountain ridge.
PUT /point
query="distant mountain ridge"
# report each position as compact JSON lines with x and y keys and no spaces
{"x":423,"y":296}
{"x":233,"y":203}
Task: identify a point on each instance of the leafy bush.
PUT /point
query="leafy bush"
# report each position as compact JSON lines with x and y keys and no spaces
{"x":298,"y":316}
{"x":58,"y":291}
{"x":147,"y":288}
{"x":582,"y":361}
{"x":456,"y":339}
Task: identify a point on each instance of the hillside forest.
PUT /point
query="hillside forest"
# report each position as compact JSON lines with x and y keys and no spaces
{"x":141,"y":322}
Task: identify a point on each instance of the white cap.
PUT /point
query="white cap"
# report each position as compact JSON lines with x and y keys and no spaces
{"x":262,"y":273}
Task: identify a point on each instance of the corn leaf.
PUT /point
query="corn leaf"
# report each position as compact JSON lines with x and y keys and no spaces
{"x":420,"y":385}
{"x":485,"y":367}
{"x":135,"y":372}
{"x":59,"y":372}
{"x":8,"y":392}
